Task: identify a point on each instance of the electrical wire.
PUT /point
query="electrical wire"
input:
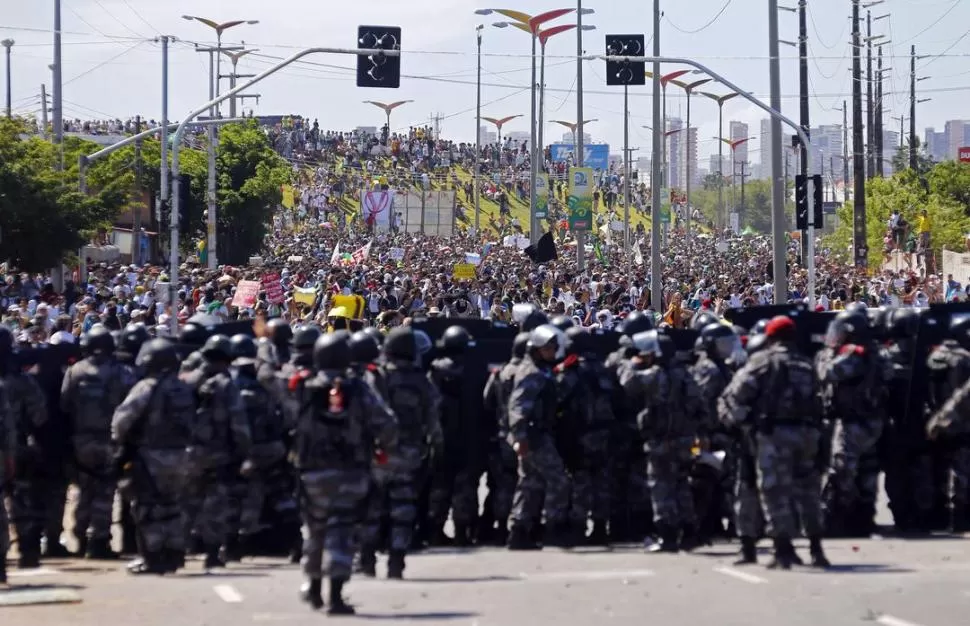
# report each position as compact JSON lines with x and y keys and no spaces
{"x":103,"y":63}
{"x":96,"y":111}
{"x":117,"y":19}
{"x":952,"y":45}
{"x":705,"y":26}
{"x":818,"y":35}
{"x":955,"y":4}
{"x":138,"y":15}
{"x":87,"y":23}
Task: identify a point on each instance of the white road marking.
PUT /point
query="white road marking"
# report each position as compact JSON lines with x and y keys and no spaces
{"x":228,"y":594}
{"x":30,"y":573}
{"x":889,"y":620}
{"x":746,"y":577}
{"x":587,"y":575}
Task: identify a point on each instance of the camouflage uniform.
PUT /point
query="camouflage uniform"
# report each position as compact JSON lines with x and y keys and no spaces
{"x":630,"y":506}
{"x":857,"y":377}
{"x":414,"y":401}
{"x":671,"y":420}
{"x":775,"y":395}
{"x":500,"y":462}
{"x":454,"y":481}
{"x":92,"y":389}
{"x":28,"y":412}
{"x":220,"y":440}
{"x":949,"y":366}
{"x":155,"y":423}
{"x":532,"y":406}
{"x":333,"y":440}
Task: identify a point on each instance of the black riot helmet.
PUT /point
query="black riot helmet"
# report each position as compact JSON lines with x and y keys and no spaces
{"x":636,"y":323}
{"x":902,"y":324}
{"x":960,"y":330}
{"x":455,"y":340}
{"x":116,"y":335}
{"x":647,"y":344}
{"x":401,"y":344}
{"x":242,"y":346}
{"x":667,"y":347}
{"x":217,"y":348}
{"x":375,"y":334}
{"x":133,"y":337}
{"x":562,"y":322}
{"x":424,"y":342}
{"x":193,"y":335}
{"x":278,"y":332}
{"x":859,"y":308}
{"x":578,"y":341}
{"x":847,"y":327}
{"x":756,"y":343}
{"x":519,"y":345}
{"x":363,"y":348}
{"x":305,"y":338}
{"x":759,"y":327}
{"x":528,"y":317}
{"x":703,"y":319}
{"x":157,"y":356}
{"x":99,"y":341}
{"x":545,"y":336}
{"x":7,"y":344}
{"x":720,"y":341}
{"x":332,"y":351}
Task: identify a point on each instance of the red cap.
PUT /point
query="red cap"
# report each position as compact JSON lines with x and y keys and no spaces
{"x":707,"y":303}
{"x":781,"y":327}
{"x":819,"y":308}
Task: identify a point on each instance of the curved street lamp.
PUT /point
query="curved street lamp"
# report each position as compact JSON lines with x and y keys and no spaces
{"x":734,"y":145}
{"x":720,"y":100}
{"x":387,"y":107}
{"x":689,"y":89}
{"x":573,"y":127}
{"x":499,"y":123}
{"x":664,"y":80}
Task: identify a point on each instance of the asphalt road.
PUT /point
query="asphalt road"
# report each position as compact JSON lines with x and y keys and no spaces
{"x":887,"y":582}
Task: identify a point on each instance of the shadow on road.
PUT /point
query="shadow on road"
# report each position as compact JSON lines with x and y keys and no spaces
{"x":430,"y":617}
{"x":219,"y":574}
{"x":44,"y":587}
{"x":459,"y":580}
{"x":867,"y":568}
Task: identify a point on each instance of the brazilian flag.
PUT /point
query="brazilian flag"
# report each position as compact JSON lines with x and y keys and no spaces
{"x":202,"y":250}
{"x":598,"y":251}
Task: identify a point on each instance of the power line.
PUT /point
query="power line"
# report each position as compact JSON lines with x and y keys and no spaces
{"x":818,"y":35}
{"x":117,"y":19}
{"x":705,"y":26}
{"x":103,"y":63}
{"x":955,"y":4}
{"x":952,"y":45}
{"x":138,"y":15}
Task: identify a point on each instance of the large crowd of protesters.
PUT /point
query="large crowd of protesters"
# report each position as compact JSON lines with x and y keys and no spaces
{"x":324,"y":256}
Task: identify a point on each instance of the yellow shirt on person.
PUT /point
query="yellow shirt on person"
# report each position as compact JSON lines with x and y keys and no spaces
{"x":354,"y":305}
{"x":923,"y":224}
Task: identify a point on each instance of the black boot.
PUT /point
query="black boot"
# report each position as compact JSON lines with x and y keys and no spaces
{"x":212,"y":558}
{"x":667,"y":540}
{"x":558,"y":536}
{"x":485,"y":531}
{"x":82,"y":546}
{"x":129,"y":542}
{"x":196,"y":546}
{"x":959,"y":521}
{"x":749,"y":551}
{"x":462,"y":536}
{"x":296,"y":552}
{"x":598,"y":537}
{"x":818,"y":556}
{"x":100,"y":550}
{"x":395,"y":564}
{"x":368,"y":561}
{"x":338,"y":606}
{"x":173,"y":560}
{"x":30,"y":552}
{"x":151,"y":563}
{"x":312,"y":593}
{"x":784,"y":550}
{"x":3,"y":570}
{"x":689,"y":539}
{"x":619,"y":529}
{"x":438,"y":538}
{"x":520,"y":539}
{"x":53,"y":549}
{"x":232,"y":551}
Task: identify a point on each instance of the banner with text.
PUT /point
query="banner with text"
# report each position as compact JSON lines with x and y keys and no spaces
{"x":542,"y":196}
{"x":246,"y":293}
{"x":273,"y":288}
{"x":580,"y":198}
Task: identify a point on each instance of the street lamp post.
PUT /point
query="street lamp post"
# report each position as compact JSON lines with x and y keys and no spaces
{"x":532,"y":23}
{"x":689,"y":89}
{"x":387,"y":107}
{"x":214,"y":63}
{"x":734,"y":145}
{"x":234,"y":57}
{"x":478,"y":131}
{"x":8,"y":44}
{"x":664,"y":80}
{"x":574,"y":129}
{"x":720,"y":100}
{"x":499,"y":122}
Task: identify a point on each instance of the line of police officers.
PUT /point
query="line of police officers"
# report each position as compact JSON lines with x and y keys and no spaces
{"x":642,"y":444}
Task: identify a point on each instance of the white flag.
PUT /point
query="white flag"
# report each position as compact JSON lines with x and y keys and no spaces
{"x":638,"y":254}
{"x":359,"y":256}
{"x":335,"y":257}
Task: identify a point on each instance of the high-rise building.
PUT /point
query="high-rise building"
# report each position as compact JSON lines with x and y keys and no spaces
{"x":890,"y":146}
{"x":518,"y":137}
{"x":675,"y":153}
{"x":567,"y":138}
{"x":486,"y":136}
{"x":955,"y":131}
{"x":723,"y":167}
{"x":826,"y":145}
{"x":687,"y":154}
{"x":764,"y":141}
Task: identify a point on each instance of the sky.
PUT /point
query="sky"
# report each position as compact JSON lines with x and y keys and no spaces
{"x":112,"y":66}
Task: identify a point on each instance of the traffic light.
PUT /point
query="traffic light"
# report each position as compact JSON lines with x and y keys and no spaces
{"x":808,"y":202}
{"x":378,"y":71}
{"x":625,"y":72}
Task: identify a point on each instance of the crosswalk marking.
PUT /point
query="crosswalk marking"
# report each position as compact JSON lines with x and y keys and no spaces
{"x":746,"y":577}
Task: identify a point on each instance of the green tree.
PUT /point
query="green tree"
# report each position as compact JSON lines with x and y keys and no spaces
{"x":250,"y":175}
{"x":901,"y":159}
{"x":44,"y":219}
{"x":951,"y":179}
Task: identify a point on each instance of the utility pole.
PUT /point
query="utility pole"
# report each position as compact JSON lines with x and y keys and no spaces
{"x":626,"y":175}
{"x":478,"y":132}
{"x":878,"y":130}
{"x":656,"y":279}
{"x":803,"y":113}
{"x":8,"y":44}
{"x":845,"y":151}
{"x":779,"y":220}
{"x":912,"y":108}
{"x":902,"y":129}
{"x":43,"y":111}
{"x":578,"y":134}
{"x":741,"y":208}
{"x":136,"y":207}
{"x":232,"y":76}
{"x":859,"y":245}
{"x":870,"y":134}
{"x":57,"y":111}
{"x":173,"y":241}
